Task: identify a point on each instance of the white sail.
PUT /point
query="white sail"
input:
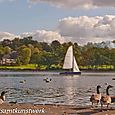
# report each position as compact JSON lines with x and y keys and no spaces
{"x":75,"y":66}
{"x":68,"y":62}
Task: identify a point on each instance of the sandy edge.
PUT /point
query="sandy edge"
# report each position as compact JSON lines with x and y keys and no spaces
{"x":31,"y":109}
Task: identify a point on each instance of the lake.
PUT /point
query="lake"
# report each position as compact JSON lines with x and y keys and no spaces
{"x":69,"y":90}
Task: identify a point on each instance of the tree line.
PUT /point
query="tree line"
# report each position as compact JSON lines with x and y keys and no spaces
{"x":51,"y":56}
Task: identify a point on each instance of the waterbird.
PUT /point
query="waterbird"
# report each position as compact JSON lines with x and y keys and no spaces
{"x":112,"y":99}
{"x":23,"y":81}
{"x":47,"y":80}
{"x":106,"y":83}
{"x":113,"y":78}
{"x":95,"y":98}
{"x":2,"y":97}
{"x":13,"y":102}
{"x":106,"y":99}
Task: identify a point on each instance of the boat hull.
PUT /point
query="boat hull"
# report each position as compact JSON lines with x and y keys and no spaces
{"x":70,"y":73}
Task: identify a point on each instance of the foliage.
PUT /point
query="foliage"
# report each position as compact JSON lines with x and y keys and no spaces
{"x":21,"y":67}
{"x":24,"y":55}
{"x":48,"y":56}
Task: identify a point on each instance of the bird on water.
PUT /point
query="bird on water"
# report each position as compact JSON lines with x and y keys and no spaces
{"x":2,"y":97}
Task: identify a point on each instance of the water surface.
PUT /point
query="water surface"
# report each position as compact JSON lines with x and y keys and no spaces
{"x":69,"y":90}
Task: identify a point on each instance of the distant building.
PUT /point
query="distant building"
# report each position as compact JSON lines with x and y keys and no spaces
{"x":9,"y":59}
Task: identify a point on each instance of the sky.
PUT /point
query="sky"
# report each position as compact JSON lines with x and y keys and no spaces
{"x":80,"y":21}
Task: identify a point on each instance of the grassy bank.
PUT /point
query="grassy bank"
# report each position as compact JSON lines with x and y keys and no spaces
{"x":102,"y":67}
{"x":20,"y":67}
{"x":56,"y":68}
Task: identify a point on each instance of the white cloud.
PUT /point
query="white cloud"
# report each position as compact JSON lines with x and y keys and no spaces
{"x":85,"y":29}
{"x":78,"y":3}
{"x":6,"y":35}
{"x":47,"y":36}
{"x":39,"y":35}
{"x":43,"y":35}
{"x":73,"y":3}
{"x":81,"y":29}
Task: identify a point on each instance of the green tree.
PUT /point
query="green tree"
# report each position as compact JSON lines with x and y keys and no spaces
{"x":7,"y":50}
{"x":46,"y":59}
{"x":35,"y":55}
{"x":1,"y":52}
{"x":24,"y":54}
{"x":15,"y":43}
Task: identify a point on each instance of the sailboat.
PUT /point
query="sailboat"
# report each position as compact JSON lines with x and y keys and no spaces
{"x":70,"y":63}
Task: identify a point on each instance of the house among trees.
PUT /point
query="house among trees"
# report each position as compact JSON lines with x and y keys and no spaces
{"x":9,"y":59}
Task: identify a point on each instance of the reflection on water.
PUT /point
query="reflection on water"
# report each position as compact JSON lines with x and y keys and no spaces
{"x":60,"y":90}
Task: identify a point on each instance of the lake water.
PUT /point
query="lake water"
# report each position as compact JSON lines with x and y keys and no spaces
{"x":69,"y":90}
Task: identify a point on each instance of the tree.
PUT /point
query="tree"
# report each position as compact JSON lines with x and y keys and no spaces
{"x":15,"y":43}
{"x":7,"y":50}
{"x":34,"y":55}
{"x":112,"y":56}
{"x":26,"y":40}
{"x":55,"y":44}
{"x":24,"y":54}
{"x":1,"y":52}
{"x":45,"y":46}
{"x":6,"y":42}
{"x":46,"y":59}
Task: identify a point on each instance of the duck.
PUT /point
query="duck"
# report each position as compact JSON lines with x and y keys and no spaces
{"x":106,"y":99}
{"x":2,"y":97}
{"x":95,"y":98}
{"x":47,"y":80}
{"x":23,"y":81}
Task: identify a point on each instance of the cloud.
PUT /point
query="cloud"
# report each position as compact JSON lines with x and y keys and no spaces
{"x":39,"y":35}
{"x":44,"y":36}
{"x":78,"y":3}
{"x":85,"y":29}
{"x":81,"y":29}
{"x":6,"y":35}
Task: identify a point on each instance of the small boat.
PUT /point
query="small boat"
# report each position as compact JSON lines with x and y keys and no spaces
{"x":70,"y":63}
{"x":113,"y":78}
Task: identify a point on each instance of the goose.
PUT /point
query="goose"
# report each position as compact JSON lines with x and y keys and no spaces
{"x":112,"y":99}
{"x":95,"y":98}
{"x":106,"y":99}
{"x":2,"y":97}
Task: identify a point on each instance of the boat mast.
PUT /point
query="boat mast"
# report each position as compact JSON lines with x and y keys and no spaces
{"x":73,"y":59}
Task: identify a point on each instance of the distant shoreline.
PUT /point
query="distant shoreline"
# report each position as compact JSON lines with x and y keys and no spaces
{"x":57,"y":70}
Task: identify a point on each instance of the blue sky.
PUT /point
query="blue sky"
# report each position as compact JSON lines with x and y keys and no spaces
{"x":20,"y":16}
{"x":17,"y":17}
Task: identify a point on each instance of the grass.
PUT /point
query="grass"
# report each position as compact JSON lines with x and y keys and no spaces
{"x":29,"y":66}
{"x":103,"y":67}
{"x":43,"y":67}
